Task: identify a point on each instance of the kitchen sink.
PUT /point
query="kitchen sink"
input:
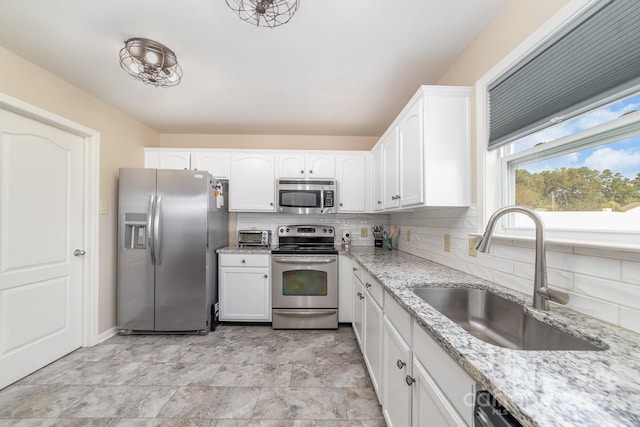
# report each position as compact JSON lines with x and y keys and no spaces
{"x":499,"y":321}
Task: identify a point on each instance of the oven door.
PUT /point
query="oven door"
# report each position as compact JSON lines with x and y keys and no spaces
{"x":304,"y":281}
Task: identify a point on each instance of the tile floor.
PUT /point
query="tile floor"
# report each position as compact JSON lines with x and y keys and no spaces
{"x":236,"y":376}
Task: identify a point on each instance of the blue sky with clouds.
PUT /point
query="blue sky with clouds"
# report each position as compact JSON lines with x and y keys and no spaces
{"x":620,"y":156}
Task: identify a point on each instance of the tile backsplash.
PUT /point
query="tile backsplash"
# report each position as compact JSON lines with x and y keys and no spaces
{"x":602,"y":283}
{"x":353,"y":223}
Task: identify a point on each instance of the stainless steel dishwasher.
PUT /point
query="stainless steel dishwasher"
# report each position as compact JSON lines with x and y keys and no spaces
{"x":489,"y":412}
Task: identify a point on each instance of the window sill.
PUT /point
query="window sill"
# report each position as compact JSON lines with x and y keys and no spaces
{"x":624,"y":242}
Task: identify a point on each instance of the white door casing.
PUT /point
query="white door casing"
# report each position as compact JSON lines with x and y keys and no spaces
{"x":48,"y":209}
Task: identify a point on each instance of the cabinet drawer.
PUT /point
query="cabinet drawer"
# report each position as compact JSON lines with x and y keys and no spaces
{"x":372,"y":286}
{"x":454,"y":382}
{"x":245,"y":260}
{"x":398,"y":317}
{"x":357,"y":270}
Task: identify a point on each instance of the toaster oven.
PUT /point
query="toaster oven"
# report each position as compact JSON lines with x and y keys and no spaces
{"x":254,"y":237}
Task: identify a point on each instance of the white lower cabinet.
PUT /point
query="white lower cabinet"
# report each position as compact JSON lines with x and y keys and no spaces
{"x":244,"y":283}
{"x":345,"y":289}
{"x":396,"y":382}
{"x":443,"y":393}
{"x":358,"y":304}
{"x":417,"y":382}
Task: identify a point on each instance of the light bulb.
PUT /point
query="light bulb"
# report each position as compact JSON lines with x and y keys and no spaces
{"x":151,"y":57}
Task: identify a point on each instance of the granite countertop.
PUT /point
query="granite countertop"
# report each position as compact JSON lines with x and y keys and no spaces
{"x":245,"y":250}
{"x":540,"y":388}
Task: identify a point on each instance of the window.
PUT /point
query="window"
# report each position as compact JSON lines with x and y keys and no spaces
{"x":561,"y":120}
{"x":582,"y":174}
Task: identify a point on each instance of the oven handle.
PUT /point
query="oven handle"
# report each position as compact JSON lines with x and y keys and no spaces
{"x":306,"y":313}
{"x":304,"y":260}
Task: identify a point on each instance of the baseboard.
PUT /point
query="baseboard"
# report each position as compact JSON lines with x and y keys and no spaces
{"x":107,"y":334}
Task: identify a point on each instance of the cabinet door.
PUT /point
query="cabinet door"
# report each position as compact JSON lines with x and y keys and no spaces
{"x":430,"y":407}
{"x":390,"y":181}
{"x":396,"y":365}
{"x":372,"y":330}
{"x":321,"y":167}
{"x":245,"y":294}
{"x":345,"y":289}
{"x":291,"y":166}
{"x":351,"y":183}
{"x":174,"y":160}
{"x":252,"y":183}
{"x":358,"y":309}
{"x":215,"y":162}
{"x":411,"y":154}
{"x":378,"y":178}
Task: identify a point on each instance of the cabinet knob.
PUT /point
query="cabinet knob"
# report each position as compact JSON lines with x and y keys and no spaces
{"x":310,"y":171}
{"x":341,"y":204}
{"x":360,"y":295}
{"x":354,"y":269}
{"x":243,"y":261}
{"x":409,"y":380}
{"x":266,"y":276}
{"x":400,"y":364}
{"x":302,"y":172}
{"x":271,"y":204}
{"x":379,"y":202}
{"x":368,"y":285}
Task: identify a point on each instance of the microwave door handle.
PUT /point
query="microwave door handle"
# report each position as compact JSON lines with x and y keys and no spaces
{"x":304,"y":260}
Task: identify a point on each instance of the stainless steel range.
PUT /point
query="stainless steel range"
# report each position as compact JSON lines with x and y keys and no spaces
{"x":304,"y":284}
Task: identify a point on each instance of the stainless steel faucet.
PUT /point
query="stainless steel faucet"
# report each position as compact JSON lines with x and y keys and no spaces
{"x":541,"y":291}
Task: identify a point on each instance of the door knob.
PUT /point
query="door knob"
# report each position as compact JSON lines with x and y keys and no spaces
{"x":79,"y":252}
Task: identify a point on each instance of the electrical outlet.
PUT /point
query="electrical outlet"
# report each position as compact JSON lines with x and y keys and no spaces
{"x":408,"y":235}
{"x":473,"y":242}
{"x":364,"y":232}
{"x":447,"y":242}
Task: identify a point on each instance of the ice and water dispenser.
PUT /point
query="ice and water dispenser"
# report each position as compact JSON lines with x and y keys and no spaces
{"x":135,"y":231}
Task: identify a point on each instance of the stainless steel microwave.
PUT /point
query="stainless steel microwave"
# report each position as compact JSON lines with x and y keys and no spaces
{"x":300,"y":196}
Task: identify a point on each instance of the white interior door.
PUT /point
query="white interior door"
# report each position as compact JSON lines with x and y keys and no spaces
{"x":41,"y":225}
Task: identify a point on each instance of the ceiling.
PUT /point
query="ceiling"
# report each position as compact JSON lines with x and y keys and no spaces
{"x":339,"y":67}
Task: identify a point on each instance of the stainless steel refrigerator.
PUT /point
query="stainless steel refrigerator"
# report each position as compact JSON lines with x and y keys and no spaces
{"x":170,"y":224}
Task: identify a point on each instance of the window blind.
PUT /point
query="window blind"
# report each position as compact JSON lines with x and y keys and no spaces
{"x":593,"y":60}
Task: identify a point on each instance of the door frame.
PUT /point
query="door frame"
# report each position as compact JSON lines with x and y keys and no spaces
{"x":90,"y":217}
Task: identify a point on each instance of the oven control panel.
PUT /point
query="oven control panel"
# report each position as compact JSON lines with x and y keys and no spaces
{"x":306,"y":231}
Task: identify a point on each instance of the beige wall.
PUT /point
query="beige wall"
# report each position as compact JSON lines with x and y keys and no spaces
{"x":508,"y":29}
{"x":284,"y":142}
{"x":121,"y":145}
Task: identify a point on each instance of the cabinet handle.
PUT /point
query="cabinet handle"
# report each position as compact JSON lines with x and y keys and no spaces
{"x":409,"y":380}
{"x":400,"y":364}
{"x":368,"y":285}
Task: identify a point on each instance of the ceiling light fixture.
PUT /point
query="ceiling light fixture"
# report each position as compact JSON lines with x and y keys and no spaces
{"x":151,"y":62}
{"x":264,"y":13}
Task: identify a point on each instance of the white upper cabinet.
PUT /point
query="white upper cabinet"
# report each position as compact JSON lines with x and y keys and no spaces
{"x":167,"y":159}
{"x":306,"y":166}
{"x":425,"y":152}
{"x":215,"y":162}
{"x":352,"y":183}
{"x":252,"y":182}
{"x":378,"y":176}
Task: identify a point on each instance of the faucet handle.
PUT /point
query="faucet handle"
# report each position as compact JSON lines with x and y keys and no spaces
{"x":553,"y":295}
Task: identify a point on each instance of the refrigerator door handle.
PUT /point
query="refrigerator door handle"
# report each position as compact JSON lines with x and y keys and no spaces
{"x":157,"y":247}
{"x":150,"y":223}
